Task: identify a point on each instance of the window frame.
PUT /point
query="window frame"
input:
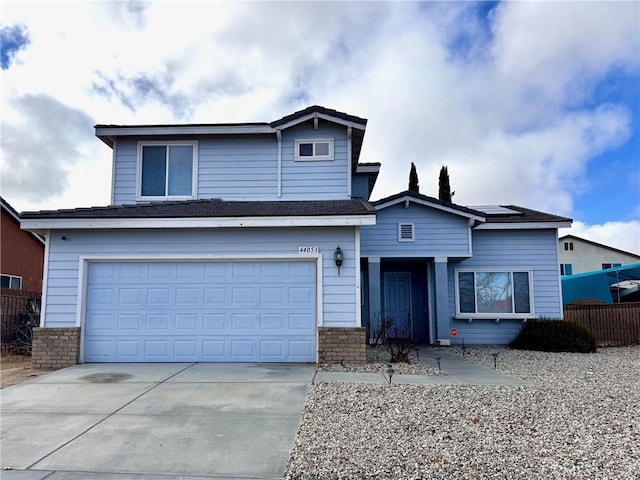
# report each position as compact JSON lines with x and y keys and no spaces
{"x":564,"y":267}
{"x":496,"y":315}
{"x":568,"y":246}
{"x":611,"y":265}
{"x":413,"y":232}
{"x":314,"y":157}
{"x":11,"y":278}
{"x":167,"y":144}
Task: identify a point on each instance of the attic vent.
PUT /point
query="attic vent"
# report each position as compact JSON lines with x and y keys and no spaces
{"x":406,"y":232}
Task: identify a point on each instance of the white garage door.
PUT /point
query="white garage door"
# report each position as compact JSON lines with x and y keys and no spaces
{"x":200,"y":311}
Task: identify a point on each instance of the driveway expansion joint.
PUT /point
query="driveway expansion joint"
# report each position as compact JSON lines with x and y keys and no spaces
{"x":108,"y":416}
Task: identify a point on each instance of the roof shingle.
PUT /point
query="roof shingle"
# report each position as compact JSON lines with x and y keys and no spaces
{"x":214,"y":208}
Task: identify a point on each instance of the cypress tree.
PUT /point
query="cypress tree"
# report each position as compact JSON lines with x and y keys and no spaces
{"x":444,"y":191}
{"x":413,"y":180}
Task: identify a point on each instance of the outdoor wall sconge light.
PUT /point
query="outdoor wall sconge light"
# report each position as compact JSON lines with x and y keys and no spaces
{"x":338,"y":257}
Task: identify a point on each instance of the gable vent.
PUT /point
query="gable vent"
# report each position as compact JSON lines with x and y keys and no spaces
{"x":405,"y":232}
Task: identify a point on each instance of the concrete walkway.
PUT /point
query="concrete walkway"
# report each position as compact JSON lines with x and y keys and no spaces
{"x":457,"y":372}
{"x":153,"y":421}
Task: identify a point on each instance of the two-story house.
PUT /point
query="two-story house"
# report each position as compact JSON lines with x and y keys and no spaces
{"x":257,"y":243}
{"x":579,"y":255}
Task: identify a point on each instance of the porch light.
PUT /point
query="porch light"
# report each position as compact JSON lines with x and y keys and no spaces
{"x":338,"y":257}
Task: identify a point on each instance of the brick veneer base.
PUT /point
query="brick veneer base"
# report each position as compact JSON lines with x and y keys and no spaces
{"x":55,"y":347}
{"x":342,"y":345}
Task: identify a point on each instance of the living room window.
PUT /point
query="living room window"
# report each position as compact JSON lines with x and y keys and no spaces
{"x":494,"y":293}
{"x":318,"y":149}
{"x":167,"y":170}
{"x":11,"y":281}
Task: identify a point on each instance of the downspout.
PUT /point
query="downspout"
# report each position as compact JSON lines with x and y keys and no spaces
{"x":45,"y":278}
{"x":279,"y":187}
{"x":113,"y":171}
{"x":349,"y":162}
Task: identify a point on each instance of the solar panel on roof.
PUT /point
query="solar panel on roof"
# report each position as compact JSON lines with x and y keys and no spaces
{"x":495,"y":210}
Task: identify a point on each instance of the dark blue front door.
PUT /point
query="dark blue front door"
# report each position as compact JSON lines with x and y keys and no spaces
{"x":397,"y":301}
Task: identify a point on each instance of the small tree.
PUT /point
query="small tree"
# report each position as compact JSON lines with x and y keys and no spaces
{"x":444,"y":187}
{"x":414,"y":185}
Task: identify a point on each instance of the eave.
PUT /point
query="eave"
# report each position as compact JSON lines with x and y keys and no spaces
{"x":42,"y":225}
{"x":523,"y":226}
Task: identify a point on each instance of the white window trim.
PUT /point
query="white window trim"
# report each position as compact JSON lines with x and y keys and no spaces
{"x":12,"y":277}
{"x":494,"y":316}
{"x":314,"y":157}
{"x":194,"y":175}
{"x":413,"y":232}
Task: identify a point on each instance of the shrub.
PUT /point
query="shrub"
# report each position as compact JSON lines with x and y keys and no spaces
{"x":547,"y":335}
{"x":398,"y":342}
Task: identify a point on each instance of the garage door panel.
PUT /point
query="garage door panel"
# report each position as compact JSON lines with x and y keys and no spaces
{"x":201,"y":311}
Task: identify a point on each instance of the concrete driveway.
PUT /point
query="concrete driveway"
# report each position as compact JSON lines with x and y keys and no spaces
{"x":99,"y":421}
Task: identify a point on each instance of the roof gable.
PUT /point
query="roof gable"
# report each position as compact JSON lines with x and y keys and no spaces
{"x":316,"y":111}
{"x":417,"y":198}
{"x":15,"y":216}
{"x":596,"y":244}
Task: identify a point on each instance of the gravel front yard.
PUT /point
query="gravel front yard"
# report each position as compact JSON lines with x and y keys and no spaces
{"x":579,"y":418}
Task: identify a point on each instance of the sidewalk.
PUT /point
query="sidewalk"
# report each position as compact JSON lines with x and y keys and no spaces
{"x":457,"y":372}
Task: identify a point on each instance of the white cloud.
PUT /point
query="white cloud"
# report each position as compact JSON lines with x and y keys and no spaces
{"x":622,"y":235}
{"x":502,"y":111}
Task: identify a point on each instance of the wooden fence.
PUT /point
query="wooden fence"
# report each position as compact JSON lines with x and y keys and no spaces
{"x":615,"y":325}
{"x":20,"y":312}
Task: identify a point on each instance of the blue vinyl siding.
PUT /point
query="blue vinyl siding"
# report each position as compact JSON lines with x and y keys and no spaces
{"x":315,"y":180}
{"x":360,"y":186}
{"x":339,"y":292}
{"x":511,"y":249}
{"x":238,"y":168}
{"x":437,"y":233}
{"x":245,"y":167}
{"x":125,"y":171}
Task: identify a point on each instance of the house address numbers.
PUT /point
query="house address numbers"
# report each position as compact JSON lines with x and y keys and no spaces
{"x":309,"y":249}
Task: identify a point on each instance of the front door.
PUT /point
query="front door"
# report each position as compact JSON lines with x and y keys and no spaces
{"x":397,"y":301}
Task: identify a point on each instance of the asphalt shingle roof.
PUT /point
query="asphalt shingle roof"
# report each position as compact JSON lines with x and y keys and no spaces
{"x":524,"y":215}
{"x":214,"y":208}
{"x":319,"y":109}
{"x":519,"y":215}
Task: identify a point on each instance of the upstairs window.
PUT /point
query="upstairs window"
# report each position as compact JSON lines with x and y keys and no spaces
{"x":167,"y":170}
{"x":494,"y":294}
{"x":314,"y":149}
{"x":568,"y":246}
{"x":406,"y":232}
{"x":11,"y":281}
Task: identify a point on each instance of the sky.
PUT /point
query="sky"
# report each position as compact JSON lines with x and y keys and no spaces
{"x":534,"y":104}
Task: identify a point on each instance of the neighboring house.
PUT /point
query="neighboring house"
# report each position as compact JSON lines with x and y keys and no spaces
{"x":578,"y":255}
{"x":257,"y":242}
{"x":21,"y":255}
